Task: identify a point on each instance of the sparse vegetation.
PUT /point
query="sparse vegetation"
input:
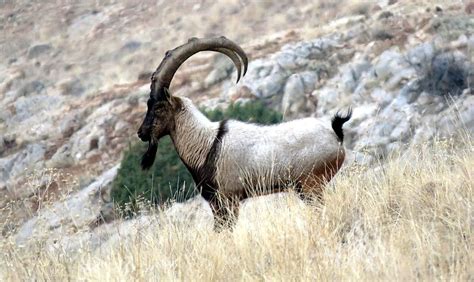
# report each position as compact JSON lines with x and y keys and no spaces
{"x":408,"y":219}
{"x":444,"y":75}
{"x":451,"y":27}
{"x":381,"y":34}
{"x":168,"y":178}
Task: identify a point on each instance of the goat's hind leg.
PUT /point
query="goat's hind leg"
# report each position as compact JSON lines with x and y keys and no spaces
{"x":310,"y":191}
{"x":225,"y":211}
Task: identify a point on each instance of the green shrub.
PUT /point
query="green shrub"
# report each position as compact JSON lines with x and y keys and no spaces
{"x":445,"y":75}
{"x":168,"y":179}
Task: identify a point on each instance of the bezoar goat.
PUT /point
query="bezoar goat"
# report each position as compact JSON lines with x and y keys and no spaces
{"x":232,"y":160}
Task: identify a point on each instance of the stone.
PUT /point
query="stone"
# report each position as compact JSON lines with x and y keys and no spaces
{"x":76,"y":211}
{"x":6,"y":165}
{"x":420,"y":56}
{"x":295,"y":95}
{"x":401,"y":130}
{"x":28,"y":158}
{"x":131,"y":46}
{"x":423,"y":133}
{"x":446,"y":75}
{"x":374,"y":146}
{"x":71,"y":86}
{"x":466,"y":118}
{"x":410,"y":91}
{"x":62,"y":157}
{"x":2,"y":145}
{"x":38,"y":50}
{"x":327,"y":98}
{"x":239,"y":92}
{"x":381,"y":97}
{"x":270,"y":85}
{"x":31,"y":87}
{"x":28,"y":107}
{"x":286,"y":60}
{"x":70,"y":123}
{"x":388,"y":64}
{"x":195,"y":211}
{"x":348,"y":79}
{"x":397,"y":79}
{"x":222,"y":69}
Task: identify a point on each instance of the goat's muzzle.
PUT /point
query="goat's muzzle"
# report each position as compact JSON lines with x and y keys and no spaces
{"x":145,"y":137}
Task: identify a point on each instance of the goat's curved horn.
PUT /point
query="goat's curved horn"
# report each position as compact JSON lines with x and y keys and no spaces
{"x":174,"y":58}
{"x":232,"y":55}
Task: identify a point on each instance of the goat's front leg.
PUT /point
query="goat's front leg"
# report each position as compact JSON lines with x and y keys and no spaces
{"x":225,"y":211}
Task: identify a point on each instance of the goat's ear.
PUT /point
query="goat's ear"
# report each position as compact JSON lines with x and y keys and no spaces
{"x":167,"y":93}
{"x":168,"y":96}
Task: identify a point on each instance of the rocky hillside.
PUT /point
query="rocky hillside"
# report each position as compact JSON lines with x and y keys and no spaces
{"x":73,"y":85}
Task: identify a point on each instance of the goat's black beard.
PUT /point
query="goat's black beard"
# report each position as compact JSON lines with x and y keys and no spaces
{"x":149,"y":157}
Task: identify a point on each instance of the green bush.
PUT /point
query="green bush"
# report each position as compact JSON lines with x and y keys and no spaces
{"x":168,"y":178}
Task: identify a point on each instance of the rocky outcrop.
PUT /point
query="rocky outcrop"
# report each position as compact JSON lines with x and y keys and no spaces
{"x":73,"y":97}
{"x":68,"y":216}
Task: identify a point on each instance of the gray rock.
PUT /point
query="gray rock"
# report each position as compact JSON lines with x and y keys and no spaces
{"x":297,"y":88}
{"x":27,"y":107}
{"x":421,"y":56}
{"x":401,"y":131}
{"x":269,"y":86}
{"x":222,"y":70}
{"x":15,"y":164}
{"x":375,"y":147}
{"x":466,"y":114}
{"x":389,"y":63}
{"x":131,"y":46}
{"x":195,"y":211}
{"x":348,"y":79}
{"x":323,"y":45}
{"x":447,"y":74}
{"x":286,"y":60}
{"x":396,"y":146}
{"x":423,"y":133}
{"x":76,"y":211}
{"x":6,"y":165}
{"x":381,"y":97}
{"x":405,"y":74}
{"x":264,"y":71}
{"x":327,"y":98}
{"x":410,"y":92}
{"x":70,"y":123}
{"x":238,"y":92}
{"x":62,"y":157}
{"x":2,"y":145}
{"x":38,"y":50}
{"x":31,"y":87}
{"x":383,"y":128}
{"x":29,"y":158}
{"x":84,"y":24}
{"x":430,"y":104}
{"x":71,"y":86}
{"x":85,"y":140}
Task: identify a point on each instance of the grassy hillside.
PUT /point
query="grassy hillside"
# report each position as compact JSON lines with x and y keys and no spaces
{"x":410,"y":218}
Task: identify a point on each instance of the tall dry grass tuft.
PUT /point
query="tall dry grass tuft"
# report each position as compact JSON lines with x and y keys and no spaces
{"x":408,"y":218}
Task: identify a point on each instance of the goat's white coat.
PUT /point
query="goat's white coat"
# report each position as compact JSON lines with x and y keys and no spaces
{"x":251,"y":153}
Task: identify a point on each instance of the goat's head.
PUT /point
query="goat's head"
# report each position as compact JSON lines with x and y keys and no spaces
{"x":162,"y":106}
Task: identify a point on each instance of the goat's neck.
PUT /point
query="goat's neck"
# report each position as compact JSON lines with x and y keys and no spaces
{"x":193,"y":136}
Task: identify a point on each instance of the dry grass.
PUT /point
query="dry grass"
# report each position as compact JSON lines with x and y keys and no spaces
{"x":410,"y":218}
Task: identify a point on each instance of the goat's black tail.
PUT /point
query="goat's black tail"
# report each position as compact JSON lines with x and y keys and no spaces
{"x":337,"y":122}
